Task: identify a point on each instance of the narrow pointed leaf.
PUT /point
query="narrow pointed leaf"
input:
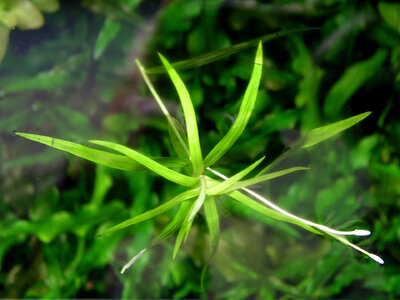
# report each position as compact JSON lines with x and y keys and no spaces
{"x":175,"y":130}
{"x":154,"y":212}
{"x":261,"y":178}
{"x":178,"y":139}
{"x":104,"y":158}
{"x":210,"y":57}
{"x":173,"y":225}
{"x":244,"y":114}
{"x":245,"y":200}
{"x":199,"y":201}
{"x":182,"y":234}
{"x":227,"y":184}
{"x":352,"y":80}
{"x":320,"y":134}
{"x":212,"y":220}
{"x":150,"y":164}
{"x":190,"y":118}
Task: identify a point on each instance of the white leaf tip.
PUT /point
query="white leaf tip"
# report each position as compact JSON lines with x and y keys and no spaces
{"x":133,"y":260}
{"x":361,"y":232}
{"x":377,"y":259}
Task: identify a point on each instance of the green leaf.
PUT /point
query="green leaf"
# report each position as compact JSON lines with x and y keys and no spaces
{"x":390,"y":13}
{"x":316,"y":136}
{"x":320,"y":134}
{"x":222,"y":53}
{"x":244,"y":114}
{"x":44,"y":81}
{"x":27,"y":14}
{"x":150,"y":164}
{"x":227,"y":184}
{"x":245,"y":200}
{"x":261,"y":178}
{"x":4,"y":38}
{"x":104,"y":158}
{"x":183,"y":233}
{"x":176,"y":131}
{"x":47,"y":6}
{"x":176,"y":141}
{"x":174,"y":224}
{"x":154,"y":212}
{"x":353,"y":79}
{"x":199,"y":201}
{"x":107,"y":33}
{"x":212,"y":220}
{"x":190,"y":118}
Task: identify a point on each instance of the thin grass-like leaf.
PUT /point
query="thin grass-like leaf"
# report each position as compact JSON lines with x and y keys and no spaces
{"x":210,"y":57}
{"x":150,"y":164}
{"x":182,"y":234}
{"x":244,"y":114}
{"x":173,"y":125}
{"x":200,"y":200}
{"x":325,"y":132}
{"x":178,"y":139}
{"x":353,"y":79}
{"x":190,"y":118}
{"x":100,"y":157}
{"x":245,"y":200}
{"x":212,"y":220}
{"x":154,"y":212}
{"x":227,"y":184}
{"x":318,"y":135}
{"x":174,"y":224}
{"x":258,"y":179}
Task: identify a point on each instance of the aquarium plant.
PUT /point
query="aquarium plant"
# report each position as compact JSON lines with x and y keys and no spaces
{"x":203,"y":183}
{"x":24,"y":15}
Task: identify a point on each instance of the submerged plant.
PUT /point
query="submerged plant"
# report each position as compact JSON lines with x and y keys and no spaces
{"x":203,"y":182}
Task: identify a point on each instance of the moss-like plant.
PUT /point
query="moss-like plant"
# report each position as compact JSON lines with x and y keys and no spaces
{"x":203,"y":183}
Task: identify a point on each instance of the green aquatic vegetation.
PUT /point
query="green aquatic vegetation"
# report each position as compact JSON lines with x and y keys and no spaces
{"x":24,"y":14}
{"x":203,"y":182}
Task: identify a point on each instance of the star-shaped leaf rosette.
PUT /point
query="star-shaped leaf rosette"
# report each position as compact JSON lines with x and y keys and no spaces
{"x":204,"y":184}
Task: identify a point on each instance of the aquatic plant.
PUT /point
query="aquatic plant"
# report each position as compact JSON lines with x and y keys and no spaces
{"x":202,"y":181}
{"x":24,"y":14}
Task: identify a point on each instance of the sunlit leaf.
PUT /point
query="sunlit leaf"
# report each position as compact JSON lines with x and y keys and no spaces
{"x":104,"y":158}
{"x":154,"y":212}
{"x":320,"y":134}
{"x":190,"y":118}
{"x":28,"y":15}
{"x":150,"y":164}
{"x":261,"y":178}
{"x":227,"y":184}
{"x":244,"y":114}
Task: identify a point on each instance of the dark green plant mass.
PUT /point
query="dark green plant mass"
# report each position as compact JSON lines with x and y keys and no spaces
{"x":204,"y":183}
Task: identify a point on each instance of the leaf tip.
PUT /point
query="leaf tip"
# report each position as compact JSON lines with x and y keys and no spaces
{"x":377,"y":259}
{"x":259,"y":55}
{"x":361,"y":232}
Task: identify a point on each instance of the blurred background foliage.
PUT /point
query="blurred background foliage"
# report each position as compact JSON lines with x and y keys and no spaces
{"x":70,"y":73}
